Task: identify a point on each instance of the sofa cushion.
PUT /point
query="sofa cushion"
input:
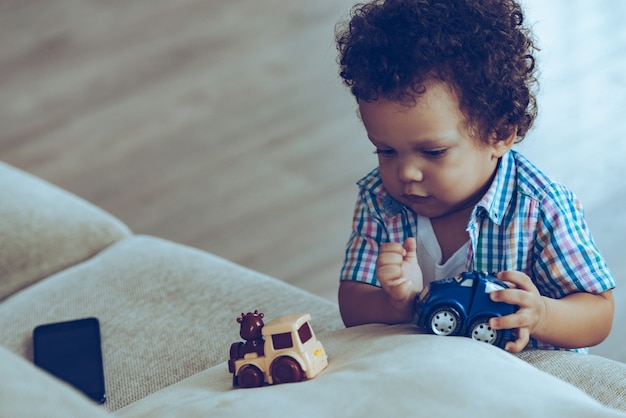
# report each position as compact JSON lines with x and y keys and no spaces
{"x":166,"y":311}
{"x":600,"y":377}
{"x":386,"y":371}
{"x":25,"y":391}
{"x":44,"y":229}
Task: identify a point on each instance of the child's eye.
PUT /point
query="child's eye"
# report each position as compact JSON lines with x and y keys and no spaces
{"x":385,"y":152}
{"x":435,"y":153}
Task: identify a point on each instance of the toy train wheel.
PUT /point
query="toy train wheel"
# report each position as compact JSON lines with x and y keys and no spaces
{"x":286,"y":370}
{"x":481,"y":331}
{"x":249,"y":376}
{"x":444,"y":320}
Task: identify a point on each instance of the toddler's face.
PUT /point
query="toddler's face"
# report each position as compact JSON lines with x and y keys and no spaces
{"x":427,"y":157}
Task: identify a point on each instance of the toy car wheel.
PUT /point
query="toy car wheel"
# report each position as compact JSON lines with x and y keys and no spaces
{"x":481,"y":331}
{"x":444,"y":320}
{"x":286,"y":370}
{"x":249,"y":376}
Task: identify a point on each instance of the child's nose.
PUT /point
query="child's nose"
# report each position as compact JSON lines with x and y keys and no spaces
{"x":409,"y":172}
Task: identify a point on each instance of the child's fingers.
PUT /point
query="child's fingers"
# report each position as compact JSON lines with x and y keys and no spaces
{"x":516,"y":279}
{"x":523,"y":336}
{"x":392,"y":247}
{"x":511,"y":296}
{"x":410,"y":248}
{"x":396,"y":282}
{"x":389,"y":272}
{"x":392,"y":260}
{"x":511,"y":321}
{"x":388,"y":258}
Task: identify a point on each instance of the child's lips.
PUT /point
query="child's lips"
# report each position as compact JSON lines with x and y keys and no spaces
{"x":414,"y":198}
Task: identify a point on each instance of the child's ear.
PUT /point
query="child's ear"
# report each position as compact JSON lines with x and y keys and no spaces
{"x":500,"y":147}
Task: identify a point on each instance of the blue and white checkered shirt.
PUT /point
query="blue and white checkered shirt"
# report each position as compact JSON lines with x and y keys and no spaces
{"x":525,"y":222}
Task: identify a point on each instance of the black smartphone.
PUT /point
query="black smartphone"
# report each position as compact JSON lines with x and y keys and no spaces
{"x":72,"y":352}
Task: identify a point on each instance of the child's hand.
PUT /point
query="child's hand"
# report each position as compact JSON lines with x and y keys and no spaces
{"x":531,"y":312}
{"x":399,"y":273}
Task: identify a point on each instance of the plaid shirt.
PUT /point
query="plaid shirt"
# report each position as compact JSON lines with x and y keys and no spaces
{"x":525,"y":222}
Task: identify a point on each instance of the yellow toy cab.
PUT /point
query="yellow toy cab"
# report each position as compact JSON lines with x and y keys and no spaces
{"x":283,"y":351}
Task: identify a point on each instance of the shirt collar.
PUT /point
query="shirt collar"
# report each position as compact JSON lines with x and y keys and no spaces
{"x":500,"y":193}
{"x":374,"y":184}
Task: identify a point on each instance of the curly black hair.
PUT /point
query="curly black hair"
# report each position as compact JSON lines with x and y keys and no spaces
{"x":481,"y":48}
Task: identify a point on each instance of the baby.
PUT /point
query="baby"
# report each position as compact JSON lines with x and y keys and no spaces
{"x":444,"y":90}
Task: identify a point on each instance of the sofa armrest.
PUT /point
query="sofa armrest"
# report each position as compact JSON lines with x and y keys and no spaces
{"x":26,"y":391}
{"x":44,"y":229}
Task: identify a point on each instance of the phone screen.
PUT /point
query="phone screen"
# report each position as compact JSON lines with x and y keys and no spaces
{"x":72,"y":352}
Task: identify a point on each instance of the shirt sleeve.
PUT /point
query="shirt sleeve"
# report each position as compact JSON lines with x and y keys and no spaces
{"x":567,"y":259}
{"x":368,"y":232}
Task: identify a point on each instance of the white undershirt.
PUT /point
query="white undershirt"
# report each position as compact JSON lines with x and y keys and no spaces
{"x":429,"y":254}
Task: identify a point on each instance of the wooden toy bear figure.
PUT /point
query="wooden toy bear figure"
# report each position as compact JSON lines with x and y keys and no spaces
{"x":250,"y":330}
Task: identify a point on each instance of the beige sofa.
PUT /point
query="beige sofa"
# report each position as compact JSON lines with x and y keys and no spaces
{"x":168,"y":316}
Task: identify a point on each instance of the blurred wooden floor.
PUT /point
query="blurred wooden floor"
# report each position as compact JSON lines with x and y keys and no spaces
{"x":223,"y":125}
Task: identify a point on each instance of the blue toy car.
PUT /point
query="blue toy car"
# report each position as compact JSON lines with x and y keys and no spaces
{"x":461,"y":306}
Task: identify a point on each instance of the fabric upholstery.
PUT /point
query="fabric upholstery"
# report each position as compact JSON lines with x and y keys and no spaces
{"x":601,"y":378}
{"x":381,"y":371}
{"x":44,"y":229}
{"x":166,"y":311}
{"x":27,"y":392}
